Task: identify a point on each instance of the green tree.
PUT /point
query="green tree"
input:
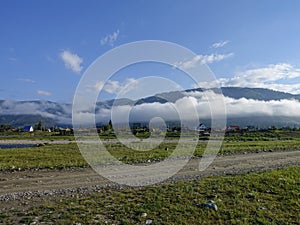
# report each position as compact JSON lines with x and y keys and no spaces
{"x":38,"y":126}
{"x":110,"y":127}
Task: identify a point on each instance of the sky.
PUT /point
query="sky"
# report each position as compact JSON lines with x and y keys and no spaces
{"x":46,"y":46}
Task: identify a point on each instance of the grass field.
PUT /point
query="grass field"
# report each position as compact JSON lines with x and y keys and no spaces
{"x":48,"y":156}
{"x":37,"y":135}
{"x":258,"y":198}
{"x":54,"y":156}
{"x":271,"y":197}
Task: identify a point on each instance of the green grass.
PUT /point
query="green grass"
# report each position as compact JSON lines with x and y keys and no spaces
{"x":37,"y":135}
{"x":48,"y":156}
{"x":262,"y":135}
{"x":67,"y":155}
{"x":259,"y":146}
{"x":269,"y":135}
{"x":271,"y":197}
{"x":132,"y":156}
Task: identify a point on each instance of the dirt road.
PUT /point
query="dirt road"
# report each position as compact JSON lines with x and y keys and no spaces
{"x":41,"y":182}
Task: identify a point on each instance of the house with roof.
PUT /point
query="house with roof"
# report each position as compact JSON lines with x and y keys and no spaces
{"x":203,"y":130}
{"x":28,"y":129}
{"x":233,"y":128}
{"x":201,"y":127}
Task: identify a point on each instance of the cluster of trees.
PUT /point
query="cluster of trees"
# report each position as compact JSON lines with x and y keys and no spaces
{"x":106,"y":127}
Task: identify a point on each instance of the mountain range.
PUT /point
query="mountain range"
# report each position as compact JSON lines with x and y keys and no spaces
{"x":245,"y":106}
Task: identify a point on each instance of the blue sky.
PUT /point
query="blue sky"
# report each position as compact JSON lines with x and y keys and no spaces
{"x":45,"y":46}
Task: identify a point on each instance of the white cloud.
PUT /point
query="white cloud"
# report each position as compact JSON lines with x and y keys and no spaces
{"x":289,"y":88}
{"x":270,"y":77}
{"x":61,"y":113}
{"x":198,"y":100}
{"x":98,"y":86}
{"x":195,"y":100}
{"x":45,"y":93}
{"x":113,"y":86}
{"x":129,"y":85}
{"x":202,"y":59}
{"x":72,"y":61}
{"x":208,"y":84}
{"x":270,"y":73}
{"x":110,"y":39}
{"x":219,"y":44}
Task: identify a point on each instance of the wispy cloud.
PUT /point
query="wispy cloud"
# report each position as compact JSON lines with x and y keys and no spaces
{"x":12,"y":59}
{"x":113,"y":86}
{"x":219,"y":44}
{"x":26,"y":80}
{"x":202,"y":59}
{"x":110,"y":38}
{"x":49,"y":58}
{"x":72,"y":61}
{"x":45,"y":93}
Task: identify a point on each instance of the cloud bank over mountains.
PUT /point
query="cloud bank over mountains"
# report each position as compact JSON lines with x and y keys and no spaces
{"x":58,"y":112}
{"x":236,"y":107}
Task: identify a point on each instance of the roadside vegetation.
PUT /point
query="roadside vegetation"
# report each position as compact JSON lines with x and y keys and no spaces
{"x":54,"y":156}
{"x":58,"y":156}
{"x":35,"y":136}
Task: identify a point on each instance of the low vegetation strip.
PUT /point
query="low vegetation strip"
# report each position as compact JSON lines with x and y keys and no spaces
{"x":255,"y":198}
{"x":54,"y":156}
{"x":57,"y":156}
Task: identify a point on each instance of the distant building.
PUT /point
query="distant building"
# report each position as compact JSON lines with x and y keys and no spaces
{"x":201,"y":127}
{"x":233,"y":128}
{"x":28,"y":129}
{"x":66,"y":131}
{"x":203,"y":130}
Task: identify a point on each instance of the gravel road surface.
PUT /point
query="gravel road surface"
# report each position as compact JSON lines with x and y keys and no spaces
{"x":20,"y":184}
